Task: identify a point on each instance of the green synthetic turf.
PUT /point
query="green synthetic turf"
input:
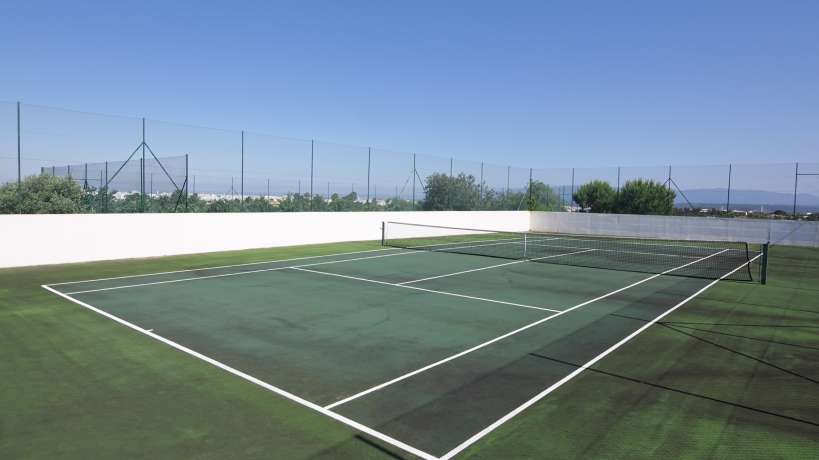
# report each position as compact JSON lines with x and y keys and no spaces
{"x":722,"y":377}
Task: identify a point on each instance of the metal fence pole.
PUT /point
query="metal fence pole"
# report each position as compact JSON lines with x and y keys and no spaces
{"x":618,"y":180}
{"x":19,"y":157}
{"x":508,"y":179}
{"x":312,"y":150}
{"x":449,"y":195}
{"x":795,"y":187}
{"x":106,"y":187}
{"x":728,"y":203}
{"x":369,"y":166}
{"x":142,"y":170}
{"x":187,"y":184}
{"x":242,"y":178}
{"x":480,"y":195}
{"x":414,"y":177}
{"x":530,"y":190}
{"x":571,"y":198}
{"x":100,"y":195}
{"x":142,"y":184}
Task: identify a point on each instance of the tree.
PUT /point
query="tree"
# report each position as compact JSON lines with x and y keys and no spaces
{"x":596,"y":196}
{"x":459,"y":193}
{"x":541,"y":197}
{"x":41,"y":194}
{"x":645,"y":197}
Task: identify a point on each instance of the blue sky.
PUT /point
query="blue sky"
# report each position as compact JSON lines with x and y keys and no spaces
{"x":528,"y":83}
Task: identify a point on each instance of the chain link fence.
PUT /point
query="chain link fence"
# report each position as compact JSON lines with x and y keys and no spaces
{"x":227,"y":170}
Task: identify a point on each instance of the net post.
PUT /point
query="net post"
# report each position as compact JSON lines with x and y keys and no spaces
{"x":524,"y":245}
{"x":763,"y":278}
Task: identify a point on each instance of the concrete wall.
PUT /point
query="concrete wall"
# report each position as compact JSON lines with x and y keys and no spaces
{"x":53,"y":239}
{"x":783,"y":232}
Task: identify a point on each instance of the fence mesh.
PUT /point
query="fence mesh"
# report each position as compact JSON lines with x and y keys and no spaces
{"x":225,"y":165}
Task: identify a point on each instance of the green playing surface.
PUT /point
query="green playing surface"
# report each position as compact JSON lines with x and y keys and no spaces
{"x":448,"y":354}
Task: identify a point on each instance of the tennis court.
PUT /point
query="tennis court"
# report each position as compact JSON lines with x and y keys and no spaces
{"x":431,"y":342}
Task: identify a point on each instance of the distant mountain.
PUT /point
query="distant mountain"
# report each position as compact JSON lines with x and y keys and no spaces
{"x":747,"y":197}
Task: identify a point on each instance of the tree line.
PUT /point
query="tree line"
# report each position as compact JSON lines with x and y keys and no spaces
{"x":45,"y":194}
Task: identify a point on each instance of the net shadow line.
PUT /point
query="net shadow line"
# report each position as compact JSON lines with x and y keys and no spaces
{"x":491,"y":266}
{"x":744,"y":355}
{"x":501,"y":337}
{"x":807,"y":347}
{"x":254,"y":380}
{"x":670,"y":325}
{"x":493,"y":426}
{"x":677,"y":390}
{"x":433,"y":291}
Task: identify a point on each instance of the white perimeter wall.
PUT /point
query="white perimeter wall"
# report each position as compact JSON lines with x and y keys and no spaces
{"x":783,"y":232}
{"x":54,"y":239}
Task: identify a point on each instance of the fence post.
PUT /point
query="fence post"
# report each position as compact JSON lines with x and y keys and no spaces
{"x":795,"y":186}
{"x":19,"y":163}
{"x":312,"y":149}
{"x":106,"y":187}
{"x":242,"y":178}
{"x":508,"y":178}
{"x":669,"y":178}
{"x":480,"y":196}
{"x":414,"y":177}
{"x":369,"y":162}
{"x":85,"y":178}
{"x":571,"y":198}
{"x":728,"y":203}
{"x":618,"y":180}
{"x":530,"y":191}
{"x":100,"y":194}
{"x":187,"y":184}
{"x":142,"y":170}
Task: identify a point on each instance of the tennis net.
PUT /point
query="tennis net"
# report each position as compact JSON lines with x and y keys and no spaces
{"x":700,"y":259}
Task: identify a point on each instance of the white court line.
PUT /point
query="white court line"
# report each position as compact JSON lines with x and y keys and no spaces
{"x":416,"y":288}
{"x":504,"y":336}
{"x":222,"y":275}
{"x":492,"y":266}
{"x":220,"y":266}
{"x":261,"y":270}
{"x":292,"y":397}
{"x":580,"y":369}
{"x":255,"y":263}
